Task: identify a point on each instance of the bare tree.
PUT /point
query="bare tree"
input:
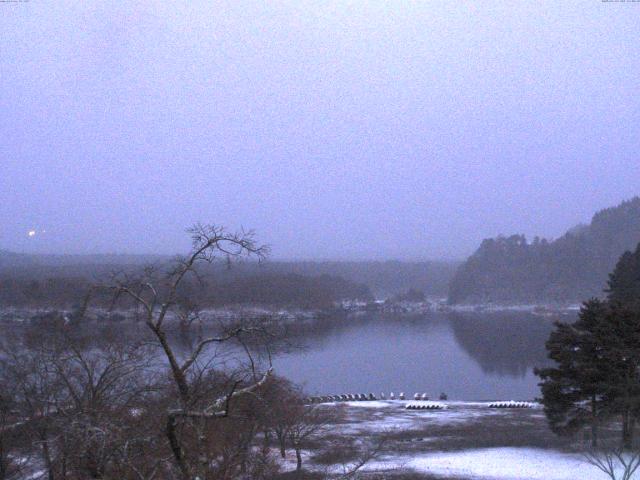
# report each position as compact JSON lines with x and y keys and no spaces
{"x":308,"y":421}
{"x":616,"y":462}
{"x":188,"y":424}
{"x":366,"y":452}
{"x":36,"y":391}
{"x":12,"y":460}
{"x":283,"y":403}
{"x":76,"y":391}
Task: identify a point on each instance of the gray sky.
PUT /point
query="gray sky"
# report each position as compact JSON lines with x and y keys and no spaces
{"x":334,"y":129}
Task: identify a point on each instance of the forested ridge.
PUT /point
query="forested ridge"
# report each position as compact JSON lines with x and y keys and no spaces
{"x":59,"y":280}
{"x":274,"y":290}
{"x":568,"y":269}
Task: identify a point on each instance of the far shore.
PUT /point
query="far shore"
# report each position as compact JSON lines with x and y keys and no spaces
{"x":298,"y":314}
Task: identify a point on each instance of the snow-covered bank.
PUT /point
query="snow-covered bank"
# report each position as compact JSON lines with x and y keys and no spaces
{"x":441,"y":305}
{"x":347,"y":309}
{"x":534,"y":309}
{"x":465,"y":440}
{"x":23,"y":314}
{"x":496,"y":464}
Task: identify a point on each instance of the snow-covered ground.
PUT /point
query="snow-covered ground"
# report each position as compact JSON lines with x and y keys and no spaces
{"x":496,"y":464}
{"x":392,"y":414}
{"x":464,"y":440}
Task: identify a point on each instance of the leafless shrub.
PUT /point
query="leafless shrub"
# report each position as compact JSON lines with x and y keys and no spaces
{"x":13,"y":459}
{"x":75,"y":393}
{"x":616,"y":462}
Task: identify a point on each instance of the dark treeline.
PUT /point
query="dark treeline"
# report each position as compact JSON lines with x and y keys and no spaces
{"x":61,"y":281}
{"x":384,"y":278}
{"x":61,"y":290}
{"x":569,"y":269}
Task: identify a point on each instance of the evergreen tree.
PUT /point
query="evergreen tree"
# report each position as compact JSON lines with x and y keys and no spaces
{"x":624,"y":281}
{"x":573,"y":392}
{"x":618,"y":340}
{"x":597,"y":372}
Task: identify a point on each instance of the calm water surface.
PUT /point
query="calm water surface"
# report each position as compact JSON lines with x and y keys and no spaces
{"x":468,"y":356}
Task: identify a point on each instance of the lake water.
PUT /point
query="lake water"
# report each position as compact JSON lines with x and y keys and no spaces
{"x":470,"y":356}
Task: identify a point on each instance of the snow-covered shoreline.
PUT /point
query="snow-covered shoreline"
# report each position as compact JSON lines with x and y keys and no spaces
{"x":465,"y":440}
{"x":289,"y":315}
{"x":440,"y":305}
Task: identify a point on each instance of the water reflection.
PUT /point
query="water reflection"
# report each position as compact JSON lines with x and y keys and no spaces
{"x":503,"y":343}
{"x":471,"y":356}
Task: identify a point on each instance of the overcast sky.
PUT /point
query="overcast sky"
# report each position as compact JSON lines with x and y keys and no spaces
{"x":346,"y":129}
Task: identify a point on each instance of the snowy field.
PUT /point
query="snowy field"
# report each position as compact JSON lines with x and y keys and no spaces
{"x":494,"y":464}
{"x":463,"y":441}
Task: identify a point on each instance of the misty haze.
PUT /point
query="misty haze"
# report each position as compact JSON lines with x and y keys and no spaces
{"x":319,"y":240}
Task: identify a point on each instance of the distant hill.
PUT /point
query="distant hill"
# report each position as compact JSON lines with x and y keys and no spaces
{"x":570,"y":269}
{"x":11,"y":259}
{"x":384,"y":278}
{"x":62,"y":279}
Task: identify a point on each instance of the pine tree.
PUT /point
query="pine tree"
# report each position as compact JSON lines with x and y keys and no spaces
{"x":574,"y":391}
{"x":597,"y":372}
{"x":624,"y":281}
{"x":618,"y":339}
